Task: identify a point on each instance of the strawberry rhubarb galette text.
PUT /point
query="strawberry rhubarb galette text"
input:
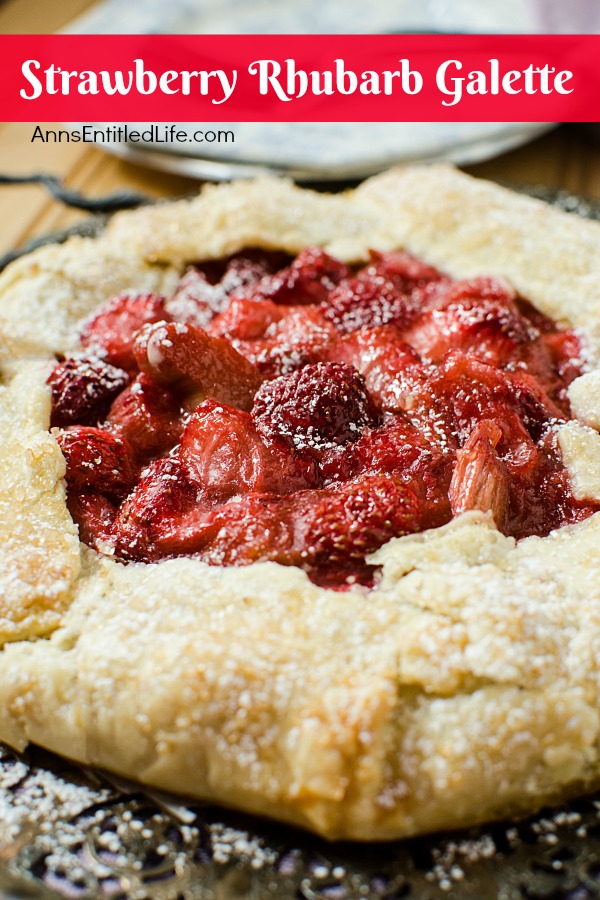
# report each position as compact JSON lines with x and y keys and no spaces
{"x":305,"y":411}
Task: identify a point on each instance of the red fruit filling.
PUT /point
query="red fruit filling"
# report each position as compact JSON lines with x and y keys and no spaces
{"x":306,"y":412}
{"x":82,"y":389}
{"x":315,"y":408}
{"x":111,"y":330}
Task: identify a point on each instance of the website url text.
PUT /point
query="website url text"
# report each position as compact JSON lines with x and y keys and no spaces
{"x":109,"y":134}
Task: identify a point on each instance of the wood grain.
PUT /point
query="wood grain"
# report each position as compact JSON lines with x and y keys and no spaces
{"x":39,"y":16}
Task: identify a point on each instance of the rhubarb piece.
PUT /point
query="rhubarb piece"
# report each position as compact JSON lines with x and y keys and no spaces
{"x":172,"y":352}
{"x":480,"y":479}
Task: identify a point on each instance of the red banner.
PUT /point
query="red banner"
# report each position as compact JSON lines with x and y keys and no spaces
{"x":300,"y":78}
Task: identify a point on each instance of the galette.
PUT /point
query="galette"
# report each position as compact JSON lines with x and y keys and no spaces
{"x":300,"y":499}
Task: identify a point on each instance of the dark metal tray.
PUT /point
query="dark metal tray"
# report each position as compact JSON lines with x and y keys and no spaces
{"x":69,"y":832}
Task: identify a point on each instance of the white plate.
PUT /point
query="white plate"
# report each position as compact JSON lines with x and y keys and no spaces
{"x":319,"y":157}
{"x":317,"y":151}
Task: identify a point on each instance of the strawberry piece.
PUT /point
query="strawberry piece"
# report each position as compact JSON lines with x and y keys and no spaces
{"x":246,"y":319}
{"x":341,"y":525}
{"x":314,"y":408}
{"x":540,"y":321}
{"x":315,"y":529}
{"x":469,"y":376}
{"x":82,"y":388}
{"x":553,"y":497}
{"x":405,"y":272}
{"x":96,"y":459}
{"x":301,"y":336}
{"x":204,"y":291}
{"x":477,"y":316}
{"x":195,"y":300}
{"x":255,"y":528}
{"x":536,"y":409}
{"x":162,"y":496}
{"x":94,"y":514}
{"x":225,"y":454}
{"x":462,"y":391}
{"x":167,"y":514}
{"x":249,"y":267}
{"x":277,"y":339}
{"x":148,"y":415}
{"x":172,"y":352}
{"x":396,"y":448}
{"x":480,"y":478}
{"x":114,"y":327}
{"x":243,"y":270}
{"x":365,"y":302}
{"x":392,"y":370}
{"x":310,"y":277}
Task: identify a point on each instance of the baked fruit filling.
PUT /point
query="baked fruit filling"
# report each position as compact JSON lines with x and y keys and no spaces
{"x":305,"y":411}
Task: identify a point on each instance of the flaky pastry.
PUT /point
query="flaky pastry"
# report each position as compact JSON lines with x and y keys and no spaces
{"x":463,"y":686}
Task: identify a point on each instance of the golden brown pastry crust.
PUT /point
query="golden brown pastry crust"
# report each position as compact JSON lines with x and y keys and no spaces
{"x":465,"y":686}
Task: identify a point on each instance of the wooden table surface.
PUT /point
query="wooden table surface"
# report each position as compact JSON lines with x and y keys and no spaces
{"x":566,"y":157}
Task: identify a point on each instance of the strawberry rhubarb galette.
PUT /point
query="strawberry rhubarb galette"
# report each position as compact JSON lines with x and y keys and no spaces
{"x":306,"y":411}
{"x":301,"y":499}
